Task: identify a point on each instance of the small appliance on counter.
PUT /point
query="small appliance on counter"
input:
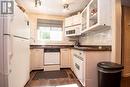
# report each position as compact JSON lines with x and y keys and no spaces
{"x":77,"y":44}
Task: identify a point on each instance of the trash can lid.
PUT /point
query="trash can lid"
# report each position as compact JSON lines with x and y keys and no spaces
{"x":110,"y":66}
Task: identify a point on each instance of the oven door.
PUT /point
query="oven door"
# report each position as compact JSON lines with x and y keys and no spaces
{"x":79,"y":69}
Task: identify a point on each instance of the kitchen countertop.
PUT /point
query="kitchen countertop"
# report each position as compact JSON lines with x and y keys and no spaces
{"x":82,"y":47}
{"x":50,"y":46}
{"x":93,"y":48}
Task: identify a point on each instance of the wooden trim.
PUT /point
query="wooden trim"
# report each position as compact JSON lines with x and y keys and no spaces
{"x":125,"y":41}
{"x":122,"y":37}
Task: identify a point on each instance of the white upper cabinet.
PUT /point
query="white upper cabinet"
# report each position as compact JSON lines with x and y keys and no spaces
{"x":97,"y":15}
{"x":68,"y":21}
{"x":73,"y":20}
{"x":76,"y":19}
{"x":73,"y":25}
{"x":100,"y":14}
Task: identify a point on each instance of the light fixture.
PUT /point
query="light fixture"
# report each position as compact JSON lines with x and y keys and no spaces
{"x":38,"y":3}
{"x":66,"y":8}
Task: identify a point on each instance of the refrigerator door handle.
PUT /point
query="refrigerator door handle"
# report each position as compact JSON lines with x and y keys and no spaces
{"x":8,"y":53}
{"x":11,"y":46}
{"x":11,"y":49}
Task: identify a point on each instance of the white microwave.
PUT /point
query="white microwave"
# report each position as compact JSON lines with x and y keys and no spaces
{"x":73,"y":30}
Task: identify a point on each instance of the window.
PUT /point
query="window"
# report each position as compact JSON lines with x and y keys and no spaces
{"x":50,"y":34}
{"x":49,"y":30}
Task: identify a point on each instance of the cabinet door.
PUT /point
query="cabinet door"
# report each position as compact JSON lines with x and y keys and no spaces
{"x":65,"y":58}
{"x":99,"y":17}
{"x":76,"y":19}
{"x":36,"y":59}
{"x":84,"y":19}
{"x":69,"y":21}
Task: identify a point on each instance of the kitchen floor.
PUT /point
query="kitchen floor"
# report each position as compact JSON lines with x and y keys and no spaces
{"x":69,"y":81}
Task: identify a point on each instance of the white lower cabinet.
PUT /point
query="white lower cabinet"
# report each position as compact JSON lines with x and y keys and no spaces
{"x":36,"y":59}
{"x":65,"y":58}
{"x":85,"y":65}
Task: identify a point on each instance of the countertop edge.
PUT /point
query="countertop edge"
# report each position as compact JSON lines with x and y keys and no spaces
{"x":86,"y":47}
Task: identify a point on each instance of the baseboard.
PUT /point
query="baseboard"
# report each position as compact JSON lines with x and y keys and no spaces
{"x":65,"y":68}
{"x":43,"y":69}
{"x":51,"y":67}
{"x":36,"y":70}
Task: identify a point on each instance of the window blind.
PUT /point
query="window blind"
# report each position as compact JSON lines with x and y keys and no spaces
{"x":49,"y":23}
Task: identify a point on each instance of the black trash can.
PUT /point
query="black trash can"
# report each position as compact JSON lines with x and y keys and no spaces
{"x":109,"y":74}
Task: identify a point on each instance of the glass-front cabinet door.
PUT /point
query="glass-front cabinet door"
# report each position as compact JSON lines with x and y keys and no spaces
{"x":84,"y":19}
{"x":93,"y":13}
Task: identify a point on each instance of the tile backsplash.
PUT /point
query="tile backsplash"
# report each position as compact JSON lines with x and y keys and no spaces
{"x":100,"y":37}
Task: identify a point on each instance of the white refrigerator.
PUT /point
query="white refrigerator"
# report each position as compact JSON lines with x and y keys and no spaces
{"x":14,"y":49}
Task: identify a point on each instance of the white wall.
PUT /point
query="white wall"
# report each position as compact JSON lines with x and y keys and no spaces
{"x":33,"y":26}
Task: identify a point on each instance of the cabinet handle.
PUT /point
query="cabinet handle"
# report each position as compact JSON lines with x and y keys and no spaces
{"x":11,"y":49}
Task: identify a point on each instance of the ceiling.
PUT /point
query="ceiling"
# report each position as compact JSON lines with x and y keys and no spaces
{"x":53,"y":7}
